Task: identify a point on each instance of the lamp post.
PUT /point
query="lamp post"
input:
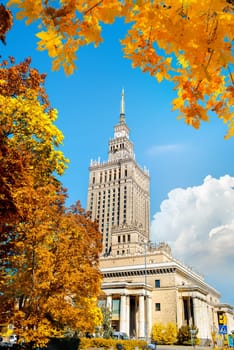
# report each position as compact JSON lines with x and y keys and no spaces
{"x":146,"y":299}
{"x":145,"y":244}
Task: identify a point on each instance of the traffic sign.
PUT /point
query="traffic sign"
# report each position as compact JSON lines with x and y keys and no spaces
{"x":222,"y":329}
{"x":222,"y":318}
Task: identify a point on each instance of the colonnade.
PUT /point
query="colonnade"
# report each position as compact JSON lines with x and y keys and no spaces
{"x":135,"y":318}
{"x":201,"y":318}
{"x":199,"y":314}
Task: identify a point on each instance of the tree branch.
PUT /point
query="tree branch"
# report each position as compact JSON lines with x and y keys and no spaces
{"x":91,"y":8}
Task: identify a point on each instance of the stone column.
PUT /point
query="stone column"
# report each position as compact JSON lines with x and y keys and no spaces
{"x":127,"y":315}
{"x":201,"y":318}
{"x":190,"y":320}
{"x":180,"y":310}
{"x":109,"y":302}
{"x":149,"y":315}
{"x":123,"y":313}
{"x":137,"y":315}
{"x":196,"y":312}
{"x":210,"y":320}
{"x":205,"y":319}
{"x":141,"y":316}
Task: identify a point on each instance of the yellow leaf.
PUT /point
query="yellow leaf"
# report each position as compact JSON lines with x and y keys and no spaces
{"x":159,"y":76}
{"x":182,"y":60}
{"x":177,"y":103}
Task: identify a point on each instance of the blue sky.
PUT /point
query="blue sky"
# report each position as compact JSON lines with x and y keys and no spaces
{"x":177,"y":156}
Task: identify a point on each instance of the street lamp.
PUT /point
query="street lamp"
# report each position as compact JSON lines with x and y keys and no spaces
{"x":146,"y":300}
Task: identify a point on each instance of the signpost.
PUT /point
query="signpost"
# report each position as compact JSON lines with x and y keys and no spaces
{"x":222,"y":329}
{"x":222,"y":321}
{"x":193,"y":333}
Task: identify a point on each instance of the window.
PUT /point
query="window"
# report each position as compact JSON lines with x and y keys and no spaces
{"x":157,"y":307}
{"x":157,"y":283}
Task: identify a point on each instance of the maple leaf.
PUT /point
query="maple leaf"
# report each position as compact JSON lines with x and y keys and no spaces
{"x":50,"y":40}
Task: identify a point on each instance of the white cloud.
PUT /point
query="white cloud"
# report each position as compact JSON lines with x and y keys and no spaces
{"x":162,"y":149}
{"x":198,"y":223}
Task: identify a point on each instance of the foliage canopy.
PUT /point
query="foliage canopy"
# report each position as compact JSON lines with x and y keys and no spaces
{"x":189,"y":42}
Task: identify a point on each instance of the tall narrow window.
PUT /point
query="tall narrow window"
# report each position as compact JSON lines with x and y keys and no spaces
{"x":157,"y":307}
{"x":157,"y":283}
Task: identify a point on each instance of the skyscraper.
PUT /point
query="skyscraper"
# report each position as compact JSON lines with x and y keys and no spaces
{"x":118,"y":194}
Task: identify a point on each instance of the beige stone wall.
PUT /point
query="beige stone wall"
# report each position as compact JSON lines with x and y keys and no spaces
{"x":137,"y":259}
{"x":168,"y":301}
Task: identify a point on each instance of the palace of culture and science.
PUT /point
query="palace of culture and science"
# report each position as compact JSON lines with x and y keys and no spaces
{"x":143,"y":284}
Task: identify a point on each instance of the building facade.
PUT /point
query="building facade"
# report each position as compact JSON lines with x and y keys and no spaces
{"x":142,"y":282}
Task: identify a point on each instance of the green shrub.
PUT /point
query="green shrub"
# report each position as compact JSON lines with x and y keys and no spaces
{"x":184,"y":336}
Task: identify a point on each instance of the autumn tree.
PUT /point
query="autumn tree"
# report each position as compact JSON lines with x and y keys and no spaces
{"x":49,"y":275}
{"x":28,"y":140}
{"x":57,"y":279}
{"x":189,"y":42}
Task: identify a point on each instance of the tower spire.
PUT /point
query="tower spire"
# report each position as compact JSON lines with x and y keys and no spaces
{"x":122,"y":108}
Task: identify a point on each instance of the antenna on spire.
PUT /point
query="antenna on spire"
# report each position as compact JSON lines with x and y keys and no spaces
{"x":122,"y":108}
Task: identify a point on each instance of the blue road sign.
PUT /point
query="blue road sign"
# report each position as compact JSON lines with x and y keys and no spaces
{"x":222,"y":329}
{"x":230,"y":341}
